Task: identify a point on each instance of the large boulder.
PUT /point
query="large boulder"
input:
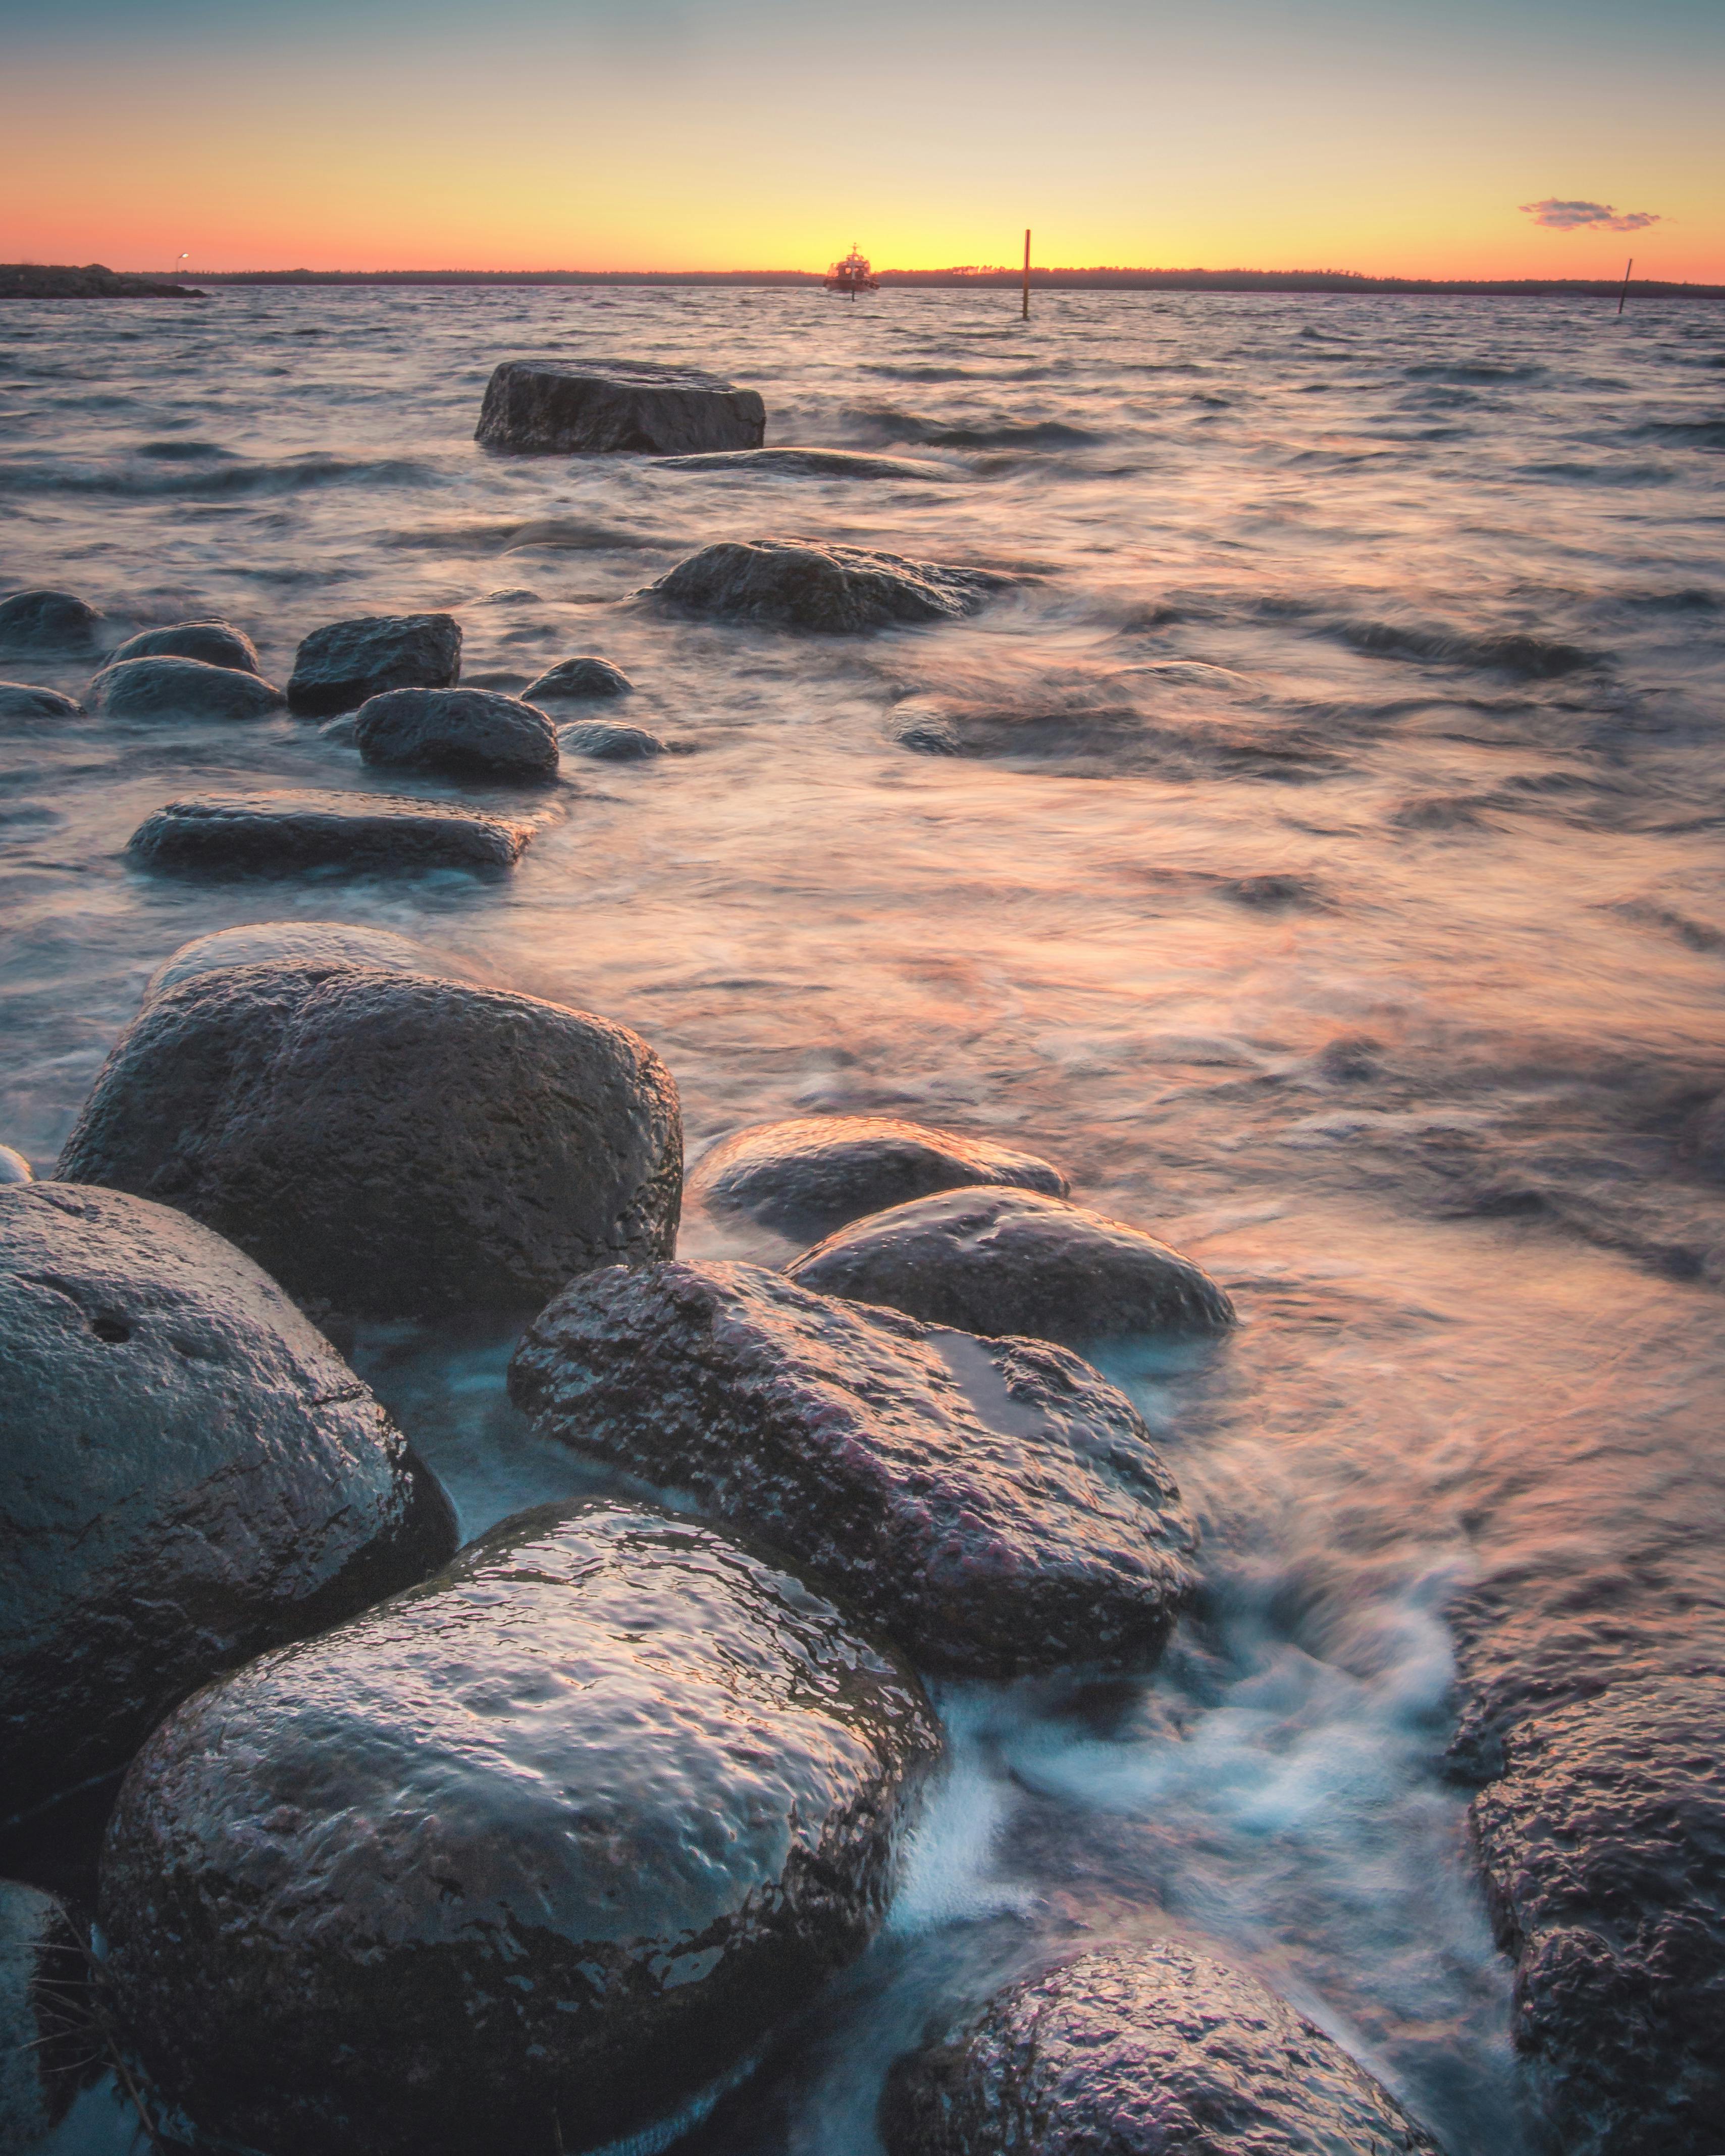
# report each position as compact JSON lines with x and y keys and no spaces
{"x":523,"y":1859}
{"x":995,"y":1507}
{"x":22,"y":700}
{"x":391,"y":1143}
{"x":46,"y":621}
{"x":312,"y":827}
{"x":181,"y":688}
{"x":325,"y":943}
{"x":835,"y":590}
{"x":216,"y":643}
{"x":1016,"y":1262}
{"x":578,"y":680}
{"x":192,"y":1474}
{"x":567,"y":406}
{"x":1146,"y":2050}
{"x":818,"y":1172}
{"x":471,"y":730}
{"x":337,"y":667}
{"x":44,"y":2039}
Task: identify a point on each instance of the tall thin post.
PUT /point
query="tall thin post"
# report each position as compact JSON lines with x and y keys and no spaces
{"x":1623,"y":293}
{"x":1027,"y":274}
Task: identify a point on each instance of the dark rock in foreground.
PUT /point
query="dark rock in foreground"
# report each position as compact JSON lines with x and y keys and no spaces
{"x":578,"y":679}
{"x":21,"y":700}
{"x":46,"y":621}
{"x":834,"y":590}
{"x":192,"y":1474}
{"x":473,"y":730}
{"x":523,"y":1859}
{"x":566,"y":407}
{"x":792,"y":462}
{"x":609,"y":743}
{"x":181,"y":688}
{"x":1007,"y":1261}
{"x":38,"y":281}
{"x":336,"y":668}
{"x":818,"y":1172}
{"x":391,"y":1143}
{"x":43,"y":2043}
{"x":995,"y":1507}
{"x":216,"y":643}
{"x":325,"y":943}
{"x":1149,"y":2050}
{"x":235,"y":834}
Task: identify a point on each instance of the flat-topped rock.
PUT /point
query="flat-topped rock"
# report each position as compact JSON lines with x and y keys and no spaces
{"x":46,"y":621}
{"x":610,"y":742}
{"x":789,"y":462}
{"x":832,"y":590}
{"x":994,"y":1506}
{"x":22,"y":700}
{"x":315,"y":827}
{"x":567,"y":407}
{"x":467,"y":730}
{"x":181,"y":688}
{"x":324,"y":943}
{"x":216,"y":643}
{"x":574,"y":680}
{"x":337,"y":667}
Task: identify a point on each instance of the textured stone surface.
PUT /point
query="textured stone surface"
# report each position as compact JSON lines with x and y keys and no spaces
{"x":994,"y":1506}
{"x":337,"y":667}
{"x":265,"y":833}
{"x":22,"y":700}
{"x":569,"y":406}
{"x":1150,"y":2050}
{"x":609,"y":743}
{"x":835,"y":590}
{"x":42,"y":1972}
{"x":1016,"y":1262}
{"x":788,"y":462}
{"x":216,"y":643}
{"x":459,"y":730}
{"x":523,"y":1858}
{"x":181,"y":688}
{"x":46,"y":621}
{"x":391,"y":1143}
{"x":573,"y":679}
{"x":191,"y":1473}
{"x":325,"y":943}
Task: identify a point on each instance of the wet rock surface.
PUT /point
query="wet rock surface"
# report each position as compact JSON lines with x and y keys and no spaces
{"x":339,"y":666}
{"x":526,"y":1857}
{"x":216,"y":643}
{"x":42,"y":1973}
{"x":1148,"y":2051}
{"x":815,"y":1174}
{"x":993,"y":1506}
{"x":22,"y":700}
{"x":609,"y":743}
{"x":1002,"y":1261}
{"x":311,"y":827}
{"x":46,"y":621}
{"x":792,"y":462}
{"x":390,"y":1143}
{"x":551,"y":406}
{"x":832,"y":590}
{"x":575,"y":679}
{"x":475,"y":731}
{"x":193,"y":1474}
{"x":323,"y":943}
{"x":181,"y":688}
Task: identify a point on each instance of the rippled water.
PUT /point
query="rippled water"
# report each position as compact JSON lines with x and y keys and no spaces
{"x":1352,"y":915}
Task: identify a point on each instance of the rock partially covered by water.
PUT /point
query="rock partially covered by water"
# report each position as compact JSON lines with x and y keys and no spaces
{"x":998,"y":1261}
{"x":264,"y":833}
{"x":338,"y":667}
{"x":611,"y":743}
{"x":995,"y":1507}
{"x":569,"y":406}
{"x":323,"y":943}
{"x":43,"y":1974}
{"x":216,"y":643}
{"x":526,"y":1858}
{"x":835,"y":590}
{"x":465,"y":731}
{"x":46,"y":621}
{"x":391,"y":1143}
{"x":181,"y":688}
{"x":1146,"y":2050}
{"x":574,"y":680}
{"x":815,"y":1174}
{"x":22,"y":700}
{"x":1603,"y":1851}
{"x":789,"y":462}
{"x":193,"y":1474}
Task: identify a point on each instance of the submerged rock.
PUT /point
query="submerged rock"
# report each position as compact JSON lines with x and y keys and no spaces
{"x":46,"y":621}
{"x":792,"y":462}
{"x":338,"y":667}
{"x":43,"y":1972}
{"x":459,"y":730}
{"x":611,"y":743}
{"x":324,"y":943}
{"x":22,"y":700}
{"x":836,"y":590}
{"x":1005,"y":1261}
{"x":391,"y":1143}
{"x":523,"y":1859}
{"x":192,"y":1474}
{"x":316,"y":828}
{"x":1042,"y":733}
{"x":181,"y":688}
{"x":216,"y":643}
{"x":818,"y":1172}
{"x":1147,"y":2051}
{"x":560,"y":406}
{"x":579,"y":678}
{"x":996,"y":1506}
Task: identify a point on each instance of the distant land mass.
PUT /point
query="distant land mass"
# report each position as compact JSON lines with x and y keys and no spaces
{"x":42,"y":281}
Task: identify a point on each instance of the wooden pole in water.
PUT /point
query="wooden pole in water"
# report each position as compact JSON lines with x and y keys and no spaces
{"x":1027,"y":274}
{"x":1623,"y":293}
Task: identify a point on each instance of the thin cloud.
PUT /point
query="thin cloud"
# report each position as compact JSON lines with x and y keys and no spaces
{"x":1559,"y":216}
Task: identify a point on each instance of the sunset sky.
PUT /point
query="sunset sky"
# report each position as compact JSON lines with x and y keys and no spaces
{"x":1403,"y":137}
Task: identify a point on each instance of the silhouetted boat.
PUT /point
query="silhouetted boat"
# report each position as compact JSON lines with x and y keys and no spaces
{"x":853,"y":274}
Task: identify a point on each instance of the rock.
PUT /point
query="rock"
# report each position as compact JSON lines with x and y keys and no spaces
{"x":43,"y":2044}
{"x":325,"y":943}
{"x":522,"y":1858}
{"x":791,"y":463}
{"x":836,"y":590}
{"x":1141,"y":2051}
{"x":390,"y":1144}
{"x":22,"y":700}
{"x":994,"y":1506}
{"x":818,"y":1172}
{"x":46,"y":621}
{"x":13,"y":1167}
{"x":551,"y":406}
{"x":216,"y":643}
{"x":1015,"y":1261}
{"x":1603,"y":1852}
{"x":459,"y":730}
{"x":35,"y":280}
{"x":312,"y":827}
{"x":1040,"y":732}
{"x":572,"y":678}
{"x":181,"y":688}
{"x":611,"y":743}
{"x":192,"y":1474}
{"x":338,"y":667}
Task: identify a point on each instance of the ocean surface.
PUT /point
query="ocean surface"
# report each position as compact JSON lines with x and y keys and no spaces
{"x":1344,"y":901}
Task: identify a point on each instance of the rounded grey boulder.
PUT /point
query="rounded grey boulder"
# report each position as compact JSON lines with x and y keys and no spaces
{"x":390,"y":1144}
{"x":1147,"y":2051}
{"x":995,"y":1507}
{"x":1004,"y":1261}
{"x":815,"y":1174}
{"x":22,"y":700}
{"x":181,"y":688}
{"x":832,"y":590}
{"x":242,"y":834}
{"x":525,"y":1858}
{"x":609,"y":743}
{"x":576,"y":679}
{"x":216,"y":643}
{"x":43,"y":2040}
{"x":569,"y":406}
{"x":192,"y":1474}
{"x":46,"y":621}
{"x":325,"y":943}
{"x":460,"y":730}
{"x":338,"y":667}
